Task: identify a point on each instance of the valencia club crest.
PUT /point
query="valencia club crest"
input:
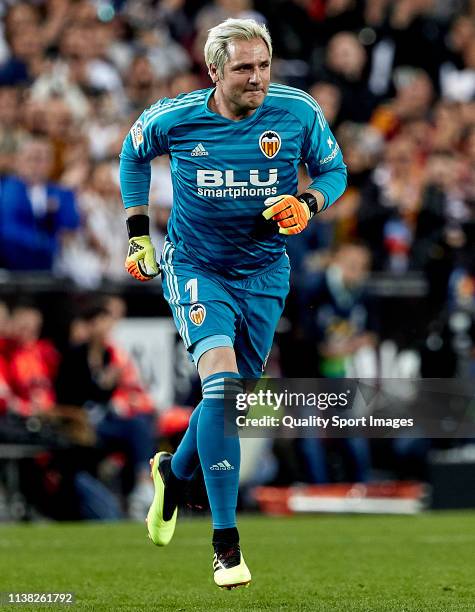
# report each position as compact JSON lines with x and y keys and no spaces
{"x":269,"y":143}
{"x":197,"y":314}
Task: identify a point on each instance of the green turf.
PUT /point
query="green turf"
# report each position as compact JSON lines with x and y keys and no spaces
{"x":338,"y":563}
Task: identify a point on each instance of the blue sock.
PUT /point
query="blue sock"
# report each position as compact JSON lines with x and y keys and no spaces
{"x":219,"y":456}
{"x":185,"y":459}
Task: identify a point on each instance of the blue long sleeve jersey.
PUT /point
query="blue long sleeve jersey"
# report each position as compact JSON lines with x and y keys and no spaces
{"x":223,"y":170}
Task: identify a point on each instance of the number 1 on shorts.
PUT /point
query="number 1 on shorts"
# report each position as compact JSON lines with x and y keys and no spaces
{"x":192,"y":287}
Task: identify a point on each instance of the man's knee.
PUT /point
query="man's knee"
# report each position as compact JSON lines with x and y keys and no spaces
{"x":219,"y":359}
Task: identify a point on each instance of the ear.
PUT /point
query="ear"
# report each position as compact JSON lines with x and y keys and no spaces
{"x":213,"y":73}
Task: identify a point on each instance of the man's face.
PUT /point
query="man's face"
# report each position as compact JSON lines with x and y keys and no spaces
{"x":34,"y":162}
{"x":346,"y":55}
{"x":354,"y":263}
{"x":101,"y":327}
{"x":246,"y":77}
{"x":25,"y":324}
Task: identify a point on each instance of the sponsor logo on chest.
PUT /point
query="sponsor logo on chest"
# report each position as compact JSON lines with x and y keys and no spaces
{"x":220,"y":178}
{"x":237,"y":184}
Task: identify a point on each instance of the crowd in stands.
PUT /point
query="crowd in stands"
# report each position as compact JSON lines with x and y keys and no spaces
{"x":83,"y":405}
{"x":396,"y":82}
{"x":90,"y":392}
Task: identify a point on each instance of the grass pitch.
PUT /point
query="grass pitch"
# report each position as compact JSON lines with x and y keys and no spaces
{"x":337,"y":563}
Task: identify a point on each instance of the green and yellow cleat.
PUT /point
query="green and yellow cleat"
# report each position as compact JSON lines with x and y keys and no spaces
{"x":160,"y":520}
{"x":230,"y":569}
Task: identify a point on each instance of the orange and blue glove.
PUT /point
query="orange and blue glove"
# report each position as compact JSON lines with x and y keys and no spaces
{"x":291,"y":213}
{"x":141,"y":262}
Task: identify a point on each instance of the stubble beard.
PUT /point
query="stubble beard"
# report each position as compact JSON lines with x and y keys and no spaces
{"x":250,"y":103}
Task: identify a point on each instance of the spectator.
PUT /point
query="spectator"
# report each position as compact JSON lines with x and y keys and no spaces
{"x":32,"y":363}
{"x":405,"y":26}
{"x":23,"y":35}
{"x":444,"y":225}
{"x":458,"y":39}
{"x":173,"y":15}
{"x":81,"y":47}
{"x":97,"y":252}
{"x":389,"y":206}
{"x":35,"y":214}
{"x":414,"y":94}
{"x":98,"y":377}
{"x":457,"y":75}
{"x":340,"y":16}
{"x":345,"y":67}
{"x":142,"y":86}
{"x":338,"y":315}
{"x":166,"y":57}
{"x":328,"y":97}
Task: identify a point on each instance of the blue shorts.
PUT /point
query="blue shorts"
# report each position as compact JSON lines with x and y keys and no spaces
{"x":245,"y":311}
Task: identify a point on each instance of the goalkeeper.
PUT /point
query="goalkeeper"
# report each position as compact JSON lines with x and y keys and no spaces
{"x":234,"y":153}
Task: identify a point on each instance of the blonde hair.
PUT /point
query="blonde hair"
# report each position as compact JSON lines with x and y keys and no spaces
{"x":216,"y":48}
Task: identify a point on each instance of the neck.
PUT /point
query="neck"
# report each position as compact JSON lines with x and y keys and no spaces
{"x":218,"y":104}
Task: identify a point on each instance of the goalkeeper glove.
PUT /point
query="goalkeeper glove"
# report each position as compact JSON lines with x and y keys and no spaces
{"x":141,"y":262}
{"x":291,"y":213}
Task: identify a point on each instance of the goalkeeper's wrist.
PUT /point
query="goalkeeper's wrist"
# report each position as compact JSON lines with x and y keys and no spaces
{"x":138,"y":225}
{"x":311,"y":201}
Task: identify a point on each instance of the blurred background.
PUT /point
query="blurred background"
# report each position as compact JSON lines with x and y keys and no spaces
{"x":93,"y":377}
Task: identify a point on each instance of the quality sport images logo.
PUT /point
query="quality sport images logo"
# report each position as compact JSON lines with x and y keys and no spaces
{"x":197,"y":314}
{"x":270,"y":143}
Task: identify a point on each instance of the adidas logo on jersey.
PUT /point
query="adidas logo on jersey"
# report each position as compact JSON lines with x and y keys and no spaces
{"x":199,"y":151}
{"x":222,"y":465}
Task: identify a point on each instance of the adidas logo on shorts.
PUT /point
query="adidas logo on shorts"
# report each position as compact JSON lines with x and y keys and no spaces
{"x":222,"y":465}
{"x":199,"y":151}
